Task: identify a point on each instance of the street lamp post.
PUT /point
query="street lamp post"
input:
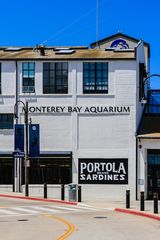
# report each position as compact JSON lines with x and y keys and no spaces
{"x":144,"y":98}
{"x":26,"y":160}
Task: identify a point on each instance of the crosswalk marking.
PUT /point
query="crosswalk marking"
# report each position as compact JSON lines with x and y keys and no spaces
{"x":65,"y":208}
{"x":87,"y":208}
{"x":25,"y":210}
{"x":44,"y":209}
{"x":5,"y":211}
{"x":34,"y":209}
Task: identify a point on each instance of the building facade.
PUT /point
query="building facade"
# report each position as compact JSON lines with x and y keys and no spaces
{"x":87,"y":102}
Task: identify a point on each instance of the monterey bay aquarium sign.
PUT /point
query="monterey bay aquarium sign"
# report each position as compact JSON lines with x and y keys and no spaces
{"x":81,"y":109}
{"x":103,"y":171}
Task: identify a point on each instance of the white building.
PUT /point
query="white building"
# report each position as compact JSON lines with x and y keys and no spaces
{"x":87,"y":102}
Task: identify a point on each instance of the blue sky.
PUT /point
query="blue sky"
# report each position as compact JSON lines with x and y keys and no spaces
{"x":73,"y":22}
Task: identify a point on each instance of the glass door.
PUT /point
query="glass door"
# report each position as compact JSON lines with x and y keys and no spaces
{"x":153,"y":172}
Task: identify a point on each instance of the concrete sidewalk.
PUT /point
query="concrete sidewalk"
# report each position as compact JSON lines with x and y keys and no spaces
{"x":32,"y":197}
{"x":120,"y":206}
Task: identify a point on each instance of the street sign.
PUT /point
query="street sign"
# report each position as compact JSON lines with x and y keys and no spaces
{"x":18,"y":154}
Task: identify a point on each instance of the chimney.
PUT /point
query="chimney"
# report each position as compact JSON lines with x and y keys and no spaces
{"x":41,"y":49}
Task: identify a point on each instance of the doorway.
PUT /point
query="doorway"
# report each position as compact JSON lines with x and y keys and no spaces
{"x":153,"y":173}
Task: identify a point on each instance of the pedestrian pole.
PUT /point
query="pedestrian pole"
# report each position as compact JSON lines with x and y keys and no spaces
{"x":45,"y":190}
{"x":142,"y":201}
{"x":155,"y":201}
{"x":62,"y":192}
{"x":79,"y":194}
{"x":127,"y":198}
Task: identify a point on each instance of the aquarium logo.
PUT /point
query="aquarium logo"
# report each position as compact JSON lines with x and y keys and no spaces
{"x":120,"y":44}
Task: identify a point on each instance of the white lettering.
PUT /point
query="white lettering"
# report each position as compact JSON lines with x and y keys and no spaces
{"x":116,"y":177}
{"x":122,"y":177}
{"x":95,"y":177}
{"x":82,"y":177}
{"x":109,"y":167}
{"x":97,"y":167}
{"x":90,"y":167}
{"x":101,"y":177}
{"x":88,"y":177}
{"x":121,"y":168}
{"x":83,"y":166}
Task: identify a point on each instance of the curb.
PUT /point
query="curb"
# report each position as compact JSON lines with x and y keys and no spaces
{"x":39,"y":199}
{"x":134,"y":212}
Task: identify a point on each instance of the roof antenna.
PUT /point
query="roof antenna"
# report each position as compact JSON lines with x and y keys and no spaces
{"x":120,"y":31}
{"x":39,"y":48}
{"x":97,"y":22}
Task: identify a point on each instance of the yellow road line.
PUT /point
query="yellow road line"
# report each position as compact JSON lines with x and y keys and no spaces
{"x":70,"y":229}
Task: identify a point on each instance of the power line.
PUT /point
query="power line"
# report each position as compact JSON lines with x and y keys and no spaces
{"x":76,"y":32}
{"x":74,"y":22}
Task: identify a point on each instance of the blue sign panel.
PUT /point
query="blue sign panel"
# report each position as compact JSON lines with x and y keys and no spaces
{"x":19,"y":137}
{"x":120,"y":44}
{"x":34,"y":145}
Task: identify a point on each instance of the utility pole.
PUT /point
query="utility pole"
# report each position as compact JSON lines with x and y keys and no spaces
{"x":26,"y":161}
{"x":26,"y":152}
{"x":97,"y":22}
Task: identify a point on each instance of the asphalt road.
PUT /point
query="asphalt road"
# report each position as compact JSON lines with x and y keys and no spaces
{"x":29,"y":220}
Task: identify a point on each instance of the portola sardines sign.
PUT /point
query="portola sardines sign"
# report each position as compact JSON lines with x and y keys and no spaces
{"x":81,"y":109}
{"x":103,"y":171}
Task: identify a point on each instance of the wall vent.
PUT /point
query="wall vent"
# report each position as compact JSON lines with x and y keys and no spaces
{"x":12,"y":49}
{"x":67,"y":51}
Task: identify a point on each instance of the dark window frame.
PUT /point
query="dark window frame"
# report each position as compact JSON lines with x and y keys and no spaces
{"x":6,"y":169}
{"x":58,"y":73}
{"x":94,"y":87}
{"x":152,"y":107}
{"x":28,"y":83}
{"x":142,"y":76}
{"x":6,"y":121}
{"x":50,"y":170}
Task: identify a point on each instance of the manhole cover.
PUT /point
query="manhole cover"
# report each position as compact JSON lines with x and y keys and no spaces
{"x":22,"y":220}
{"x":100,"y":217}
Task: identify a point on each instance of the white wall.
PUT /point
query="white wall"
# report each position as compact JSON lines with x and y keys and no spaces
{"x":87,"y":136}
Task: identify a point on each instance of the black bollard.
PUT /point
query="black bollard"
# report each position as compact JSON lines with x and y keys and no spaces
{"x":127,"y":198}
{"x":62,"y":192}
{"x":79,"y":194}
{"x":155,"y":201}
{"x":142,"y":201}
{"x":45,"y":190}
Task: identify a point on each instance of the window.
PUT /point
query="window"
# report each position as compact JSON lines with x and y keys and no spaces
{"x":50,"y":170}
{"x":6,"y":169}
{"x":28,"y":77}
{"x":0,"y":80}
{"x":55,"y":78}
{"x":142,"y":75}
{"x":6,"y":121}
{"x":153,"y":102}
{"x":95,"y":77}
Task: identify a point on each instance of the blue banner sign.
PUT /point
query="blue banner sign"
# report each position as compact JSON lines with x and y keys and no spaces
{"x":19,"y":137}
{"x":34,"y":144}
